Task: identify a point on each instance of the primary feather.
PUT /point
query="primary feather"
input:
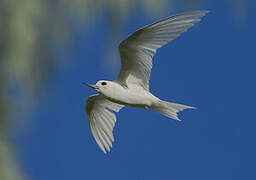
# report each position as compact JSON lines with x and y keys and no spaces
{"x":138,"y":49}
{"x":102,"y":120}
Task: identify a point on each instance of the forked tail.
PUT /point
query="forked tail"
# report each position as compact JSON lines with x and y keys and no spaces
{"x":170,"y":109}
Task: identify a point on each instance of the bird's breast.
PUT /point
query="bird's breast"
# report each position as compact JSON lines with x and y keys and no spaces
{"x":132,"y":97}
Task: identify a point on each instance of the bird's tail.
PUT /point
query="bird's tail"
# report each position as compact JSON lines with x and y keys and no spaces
{"x":170,"y":109}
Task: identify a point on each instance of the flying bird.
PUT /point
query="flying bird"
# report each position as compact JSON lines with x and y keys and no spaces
{"x":131,"y":88}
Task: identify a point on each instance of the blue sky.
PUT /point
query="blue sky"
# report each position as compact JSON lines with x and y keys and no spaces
{"x":212,"y":67}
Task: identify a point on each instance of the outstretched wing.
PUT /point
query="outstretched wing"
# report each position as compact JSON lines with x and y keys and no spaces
{"x":101,"y":117}
{"x":138,"y":49}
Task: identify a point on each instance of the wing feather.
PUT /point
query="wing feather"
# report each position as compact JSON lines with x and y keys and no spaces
{"x":138,"y":49}
{"x":101,"y":117}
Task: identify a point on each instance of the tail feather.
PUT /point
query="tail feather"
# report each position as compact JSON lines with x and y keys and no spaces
{"x":170,"y":109}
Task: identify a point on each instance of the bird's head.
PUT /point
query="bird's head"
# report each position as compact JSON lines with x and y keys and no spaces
{"x":101,"y":86}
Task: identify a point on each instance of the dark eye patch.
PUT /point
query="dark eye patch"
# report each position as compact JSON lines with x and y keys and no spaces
{"x":103,"y":83}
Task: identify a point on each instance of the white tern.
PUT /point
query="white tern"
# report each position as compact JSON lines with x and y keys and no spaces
{"x":131,"y":88}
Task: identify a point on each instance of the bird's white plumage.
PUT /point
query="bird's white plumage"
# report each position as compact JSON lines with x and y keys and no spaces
{"x":138,"y":49}
{"x":132,"y":84}
{"x":102,"y":119}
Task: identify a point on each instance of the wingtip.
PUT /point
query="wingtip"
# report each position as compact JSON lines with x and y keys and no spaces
{"x":206,"y":12}
{"x":106,"y":152}
{"x":202,"y":12}
{"x":103,"y":150}
{"x":190,"y":107}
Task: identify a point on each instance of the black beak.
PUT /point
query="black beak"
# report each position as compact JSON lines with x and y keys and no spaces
{"x":92,"y":86}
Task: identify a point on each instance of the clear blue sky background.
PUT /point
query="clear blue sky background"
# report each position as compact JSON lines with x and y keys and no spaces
{"x":212,"y":67}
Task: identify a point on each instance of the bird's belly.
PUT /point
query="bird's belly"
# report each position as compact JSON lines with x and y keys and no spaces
{"x":134,"y":99}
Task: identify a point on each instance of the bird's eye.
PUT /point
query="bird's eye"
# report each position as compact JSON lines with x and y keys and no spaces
{"x":103,"y":83}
